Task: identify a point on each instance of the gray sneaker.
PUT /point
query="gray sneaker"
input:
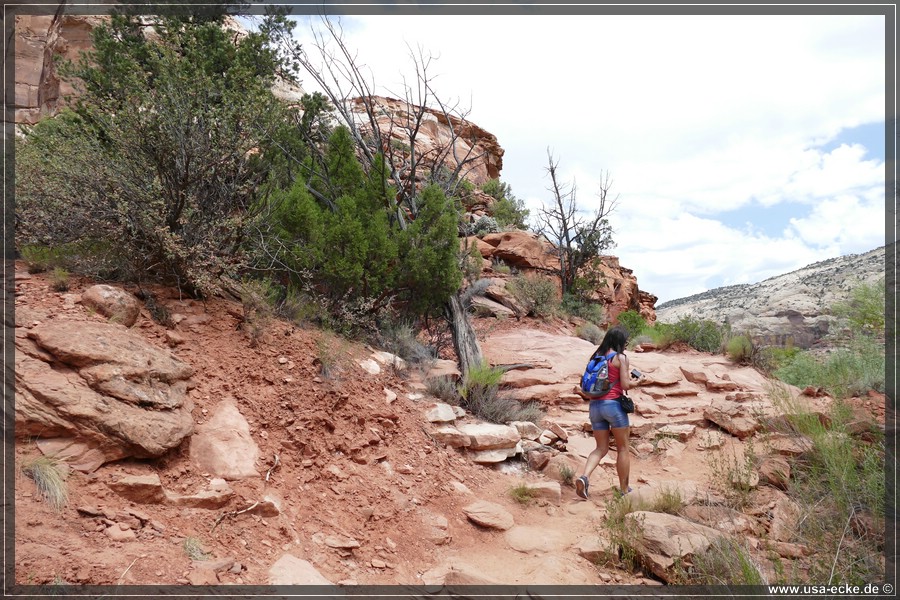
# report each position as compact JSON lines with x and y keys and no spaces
{"x":581,"y":486}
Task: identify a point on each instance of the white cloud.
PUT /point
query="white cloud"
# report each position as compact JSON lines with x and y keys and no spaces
{"x":690,"y":115}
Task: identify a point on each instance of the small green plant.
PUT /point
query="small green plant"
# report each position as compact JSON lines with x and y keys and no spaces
{"x":400,"y":338}
{"x":480,"y":395}
{"x":59,"y":280}
{"x":732,"y":474}
{"x":576,"y":306}
{"x":498,"y":266}
{"x":537,"y":294}
{"x":739,"y":349}
{"x":590,"y":332}
{"x":193,"y":548}
{"x":567,"y":474}
{"x":522,"y":493}
{"x":49,"y":475}
{"x":668,"y":501}
{"x":703,"y":335}
{"x":725,"y":562}
{"x":485,"y":225}
{"x":623,"y":532}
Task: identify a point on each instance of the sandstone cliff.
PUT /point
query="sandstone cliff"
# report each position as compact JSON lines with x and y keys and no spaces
{"x":787,"y":308}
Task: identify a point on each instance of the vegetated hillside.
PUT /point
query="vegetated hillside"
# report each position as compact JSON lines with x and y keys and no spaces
{"x":785,"y":308}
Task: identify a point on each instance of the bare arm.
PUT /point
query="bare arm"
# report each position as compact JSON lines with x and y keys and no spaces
{"x":625,"y":373}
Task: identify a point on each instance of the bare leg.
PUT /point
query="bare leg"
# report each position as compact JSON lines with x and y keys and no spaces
{"x":594,"y":458}
{"x":623,"y":456}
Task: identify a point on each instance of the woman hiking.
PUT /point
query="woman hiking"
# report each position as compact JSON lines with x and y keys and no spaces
{"x":608,"y":415}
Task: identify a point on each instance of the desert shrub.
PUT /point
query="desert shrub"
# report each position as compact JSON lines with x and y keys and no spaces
{"x":703,"y":335}
{"x":583,"y":309}
{"x":401,"y":339}
{"x":480,"y":395}
{"x":49,"y":475}
{"x":166,"y":153}
{"x":536,"y":293}
{"x":633,"y":323}
{"x":732,"y":472}
{"x":507,"y":210}
{"x":193,"y":548}
{"x":328,"y":356}
{"x":839,"y":483}
{"x":864,"y":311}
{"x":500,"y":267}
{"x":485,"y":225}
{"x":522,"y":493}
{"x":59,"y":280}
{"x":590,"y":332}
{"x":739,"y":349}
{"x":844,"y":372}
{"x":444,"y":389}
{"x":567,"y":474}
{"x":771,"y":358}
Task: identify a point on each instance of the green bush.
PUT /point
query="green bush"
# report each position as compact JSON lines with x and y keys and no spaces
{"x":165,"y":155}
{"x":536,"y":293}
{"x":485,"y":225}
{"x":864,"y":312}
{"x":508,"y":210}
{"x":739,"y":349}
{"x":633,"y":323}
{"x":703,"y":335}
{"x":444,"y":389}
{"x":583,"y":309}
{"x":842,"y":373}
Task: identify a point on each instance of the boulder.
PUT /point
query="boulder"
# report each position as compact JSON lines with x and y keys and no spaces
{"x":665,"y":539}
{"x":103,"y":387}
{"x":223,"y":445}
{"x":112,"y":302}
{"x":489,"y":514}
{"x":490,"y":436}
{"x":736,"y":419}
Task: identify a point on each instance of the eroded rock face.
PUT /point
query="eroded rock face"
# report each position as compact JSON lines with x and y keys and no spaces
{"x":103,"y":386}
{"x":434,"y":136}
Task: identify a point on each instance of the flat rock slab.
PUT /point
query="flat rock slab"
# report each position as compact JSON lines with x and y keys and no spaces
{"x":535,"y":540}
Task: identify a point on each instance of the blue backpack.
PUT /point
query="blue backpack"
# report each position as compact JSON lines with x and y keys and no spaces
{"x":595,"y":380}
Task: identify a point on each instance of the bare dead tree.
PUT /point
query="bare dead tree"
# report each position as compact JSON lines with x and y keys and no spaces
{"x":578,"y":239}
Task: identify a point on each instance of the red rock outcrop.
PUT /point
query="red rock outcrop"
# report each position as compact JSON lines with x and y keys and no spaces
{"x":435,"y":134}
{"x":527,"y":251}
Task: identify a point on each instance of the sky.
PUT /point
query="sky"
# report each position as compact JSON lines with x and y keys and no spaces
{"x":739,"y":147}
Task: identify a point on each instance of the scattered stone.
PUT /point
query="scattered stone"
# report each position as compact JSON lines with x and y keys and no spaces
{"x":340,"y":541}
{"x":144,"y":489}
{"x":120,"y":533}
{"x":439,"y":412}
{"x":680,"y":432}
{"x":549,"y":490}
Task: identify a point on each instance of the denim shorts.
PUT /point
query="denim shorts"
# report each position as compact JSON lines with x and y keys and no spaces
{"x":606,"y":414}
